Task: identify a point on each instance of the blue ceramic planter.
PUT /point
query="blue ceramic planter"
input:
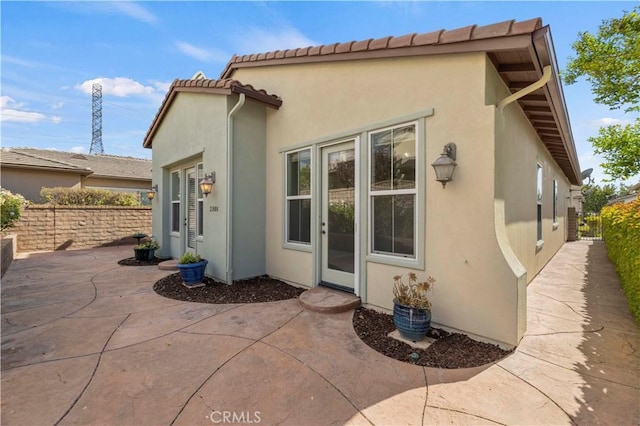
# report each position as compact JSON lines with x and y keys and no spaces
{"x":412,"y":323}
{"x":144,"y":254}
{"x":192,"y":273}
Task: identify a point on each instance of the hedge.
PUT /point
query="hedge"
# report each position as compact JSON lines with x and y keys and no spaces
{"x":88,"y":197}
{"x":622,"y":236}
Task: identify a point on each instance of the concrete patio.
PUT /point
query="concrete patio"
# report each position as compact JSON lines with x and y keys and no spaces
{"x":86,"y":341}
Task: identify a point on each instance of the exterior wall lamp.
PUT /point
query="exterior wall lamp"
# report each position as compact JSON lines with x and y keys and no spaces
{"x":152,"y":192}
{"x":445,"y":164}
{"x":206,"y":184}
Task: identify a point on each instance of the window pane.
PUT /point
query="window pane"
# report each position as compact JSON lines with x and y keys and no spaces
{"x":393,"y":224}
{"x":175,"y":186}
{"x":304,"y":174}
{"x":200,"y":176}
{"x":403,"y":208}
{"x":175,"y":217}
{"x":404,"y":157}
{"x":555,"y":201}
{"x":299,"y":220}
{"x":383,"y":223}
{"x":200,"y":216}
{"x":292,"y":173}
{"x":381,"y":161}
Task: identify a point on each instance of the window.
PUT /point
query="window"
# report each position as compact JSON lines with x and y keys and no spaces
{"x":299,"y":197}
{"x":393,"y":191}
{"x":175,"y":201}
{"x":539,"y":202}
{"x":555,"y":201}
{"x":200,"y":212}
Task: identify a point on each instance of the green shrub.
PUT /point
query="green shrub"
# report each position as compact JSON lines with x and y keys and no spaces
{"x":188,"y":258}
{"x":10,"y":208}
{"x":88,"y":197}
{"x":622,"y":236}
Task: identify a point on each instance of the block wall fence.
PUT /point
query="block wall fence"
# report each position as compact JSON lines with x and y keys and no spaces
{"x":47,"y":228}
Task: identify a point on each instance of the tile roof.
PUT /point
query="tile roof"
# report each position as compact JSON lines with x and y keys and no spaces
{"x":433,"y":38}
{"x":225,"y":86}
{"x":518,"y":50}
{"x":109,"y":166}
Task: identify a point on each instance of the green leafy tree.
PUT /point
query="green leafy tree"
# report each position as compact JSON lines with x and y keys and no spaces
{"x":610,"y":61}
{"x":596,"y":197}
{"x":10,"y":208}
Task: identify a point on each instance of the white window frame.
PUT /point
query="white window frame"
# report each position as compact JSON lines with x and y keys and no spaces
{"x":555,"y":204}
{"x":539,"y":205}
{"x":388,"y":257}
{"x":172,"y":201}
{"x":291,"y":244}
{"x":199,"y":202}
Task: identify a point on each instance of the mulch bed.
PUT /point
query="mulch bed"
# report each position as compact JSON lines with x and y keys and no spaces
{"x":131,"y":261}
{"x":253,"y":290}
{"x":450,"y":350}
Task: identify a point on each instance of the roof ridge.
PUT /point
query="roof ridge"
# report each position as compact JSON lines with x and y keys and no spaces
{"x":438,"y":37}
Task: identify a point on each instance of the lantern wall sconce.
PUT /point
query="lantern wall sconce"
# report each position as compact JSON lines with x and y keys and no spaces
{"x":445,"y":164}
{"x":206,"y":184}
{"x":152,"y":192}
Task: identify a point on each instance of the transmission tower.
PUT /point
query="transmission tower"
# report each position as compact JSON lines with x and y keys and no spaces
{"x":96,"y":120}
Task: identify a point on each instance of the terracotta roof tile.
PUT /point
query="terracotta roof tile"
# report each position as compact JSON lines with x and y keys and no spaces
{"x":328,"y":49}
{"x":457,"y":35}
{"x":344,"y":47}
{"x":524,"y":27}
{"x":440,"y":37}
{"x":494,"y":30}
{"x":381,"y":43}
{"x":402,"y":41}
{"x":427,"y":38}
{"x":224,"y":86}
{"x":361,"y":45}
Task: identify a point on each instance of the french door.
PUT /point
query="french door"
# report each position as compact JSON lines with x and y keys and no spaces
{"x":338,"y":224}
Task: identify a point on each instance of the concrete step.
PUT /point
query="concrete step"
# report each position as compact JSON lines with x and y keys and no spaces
{"x":328,"y":301}
{"x":168,"y":265}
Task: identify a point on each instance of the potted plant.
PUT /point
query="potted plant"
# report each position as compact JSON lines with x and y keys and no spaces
{"x":192,"y":268}
{"x":412,"y":307}
{"x":145,"y":252}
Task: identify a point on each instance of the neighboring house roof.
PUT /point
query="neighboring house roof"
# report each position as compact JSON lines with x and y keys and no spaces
{"x":98,"y":166}
{"x":197,"y":84}
{"x":519,"y":51}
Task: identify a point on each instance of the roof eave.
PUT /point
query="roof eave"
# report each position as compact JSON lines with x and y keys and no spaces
{"x":80,"y":171}
{"x":543,"y":43}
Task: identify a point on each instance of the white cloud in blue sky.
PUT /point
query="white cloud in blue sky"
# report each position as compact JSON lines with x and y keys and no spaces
{"x":10,"y":110}
{"x":121,"y":87}
{"x":201,"y":53}
{"x":259,"y":40}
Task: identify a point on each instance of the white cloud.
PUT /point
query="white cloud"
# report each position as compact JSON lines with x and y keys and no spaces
{"x":134,"y":10}
{"x":257,"y":40}
{"x":57,"y":105}
{"x":78,"y":149}
{"x":10,"y":110}
{"x":608,"y":121}
{"x":202,"y":54}
{"x":121,"y":87}
{"x":162,"y":86}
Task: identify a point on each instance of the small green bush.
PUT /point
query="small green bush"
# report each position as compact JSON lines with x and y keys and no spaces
{"x":10,"y":208}
{"x":189,"y":258}
{"x":88,"y":197}
{"x":622,"y":236}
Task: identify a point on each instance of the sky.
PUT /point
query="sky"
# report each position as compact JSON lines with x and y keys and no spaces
{"x":52,"y":52}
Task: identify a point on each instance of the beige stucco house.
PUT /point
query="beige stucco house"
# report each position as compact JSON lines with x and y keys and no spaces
{"x":27,"y":170}
{"x":322,"y":159}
